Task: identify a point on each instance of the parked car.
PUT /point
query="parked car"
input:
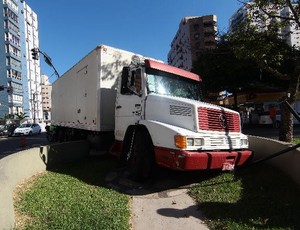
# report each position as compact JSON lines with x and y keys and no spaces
{"x":28,"y":129}
{"x":7,"y":130}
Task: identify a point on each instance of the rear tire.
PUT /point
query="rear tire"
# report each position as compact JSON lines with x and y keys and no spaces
{"x":141,"y":160}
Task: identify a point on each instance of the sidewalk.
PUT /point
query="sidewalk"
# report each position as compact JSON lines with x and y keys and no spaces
{"x":173,"y":209}
{"x":161,"y":205}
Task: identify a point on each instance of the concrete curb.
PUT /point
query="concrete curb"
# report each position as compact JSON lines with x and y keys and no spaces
{"x":288,"y":163}
{"x":17,"y":167}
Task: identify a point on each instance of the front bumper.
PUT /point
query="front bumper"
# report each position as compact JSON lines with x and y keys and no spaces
{"x":21,"y":133}
{"x":188,"y":160}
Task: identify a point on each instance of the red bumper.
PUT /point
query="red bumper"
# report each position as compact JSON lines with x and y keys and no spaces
{"x":186,"y":160}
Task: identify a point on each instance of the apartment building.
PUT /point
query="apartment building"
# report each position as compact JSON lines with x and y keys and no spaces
{"x":32,"y":83}
{"x":290,"y":33}
{"x":46,"y":97}
{"x":194,"y":35}
{"x":19,"y":73}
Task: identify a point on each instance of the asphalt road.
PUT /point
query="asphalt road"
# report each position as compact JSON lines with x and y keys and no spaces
{"x":266,"y":131}
{"x":9,"y":145}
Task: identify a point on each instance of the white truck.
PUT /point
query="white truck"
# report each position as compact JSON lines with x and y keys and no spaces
{"x":152,"y":110}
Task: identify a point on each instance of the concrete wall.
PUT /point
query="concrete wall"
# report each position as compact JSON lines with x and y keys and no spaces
{"x":289,"y":162}
{"x":19,"y":166}
{"x":14,"y":169}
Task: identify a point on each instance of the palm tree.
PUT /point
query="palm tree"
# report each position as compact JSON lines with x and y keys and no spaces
{"x":20,"y":116}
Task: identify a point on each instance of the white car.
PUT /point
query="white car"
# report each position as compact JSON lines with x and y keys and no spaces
{"x":28,"y":129}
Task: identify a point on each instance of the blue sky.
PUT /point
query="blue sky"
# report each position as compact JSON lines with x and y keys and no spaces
{"x":68,"y":30}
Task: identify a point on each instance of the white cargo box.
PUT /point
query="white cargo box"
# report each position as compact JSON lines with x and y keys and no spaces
{"x":84,"y":97}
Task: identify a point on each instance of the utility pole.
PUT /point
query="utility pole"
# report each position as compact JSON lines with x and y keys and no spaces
{"x":9,"y":90}
{"x":35,"y":56}
{"x":34,"y":111}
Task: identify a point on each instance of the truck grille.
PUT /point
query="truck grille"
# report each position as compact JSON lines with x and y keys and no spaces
{"x":218,"y":120}
{"x":180,"y":110}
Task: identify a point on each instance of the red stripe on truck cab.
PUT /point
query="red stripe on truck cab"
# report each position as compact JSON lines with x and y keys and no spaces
{"x":171,"y":69}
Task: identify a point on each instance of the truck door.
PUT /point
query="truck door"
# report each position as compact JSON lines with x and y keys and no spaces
{"x":129,"y":102}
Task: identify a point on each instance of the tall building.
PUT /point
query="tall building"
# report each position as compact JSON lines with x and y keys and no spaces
{"x":32,"y":83}
{"x":46,"y":97}
{"x":194,"y":35}
{"x":290,"y":33}
{"x":18,"y":72}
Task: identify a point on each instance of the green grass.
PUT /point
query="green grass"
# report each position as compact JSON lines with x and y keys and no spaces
{"x":296,"y":140}
{"x":74,"y":197}
{"x":258,"y":197}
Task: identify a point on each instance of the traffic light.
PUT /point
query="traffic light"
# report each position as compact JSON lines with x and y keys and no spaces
{"x":35,"y":53}
{"x":2,"y":87}
{"x":9,"y":89}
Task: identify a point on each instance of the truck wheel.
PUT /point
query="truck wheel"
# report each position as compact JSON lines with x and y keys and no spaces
{"x":141,"y":161}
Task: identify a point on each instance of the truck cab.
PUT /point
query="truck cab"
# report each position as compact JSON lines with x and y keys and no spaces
{"x":160,"y":119}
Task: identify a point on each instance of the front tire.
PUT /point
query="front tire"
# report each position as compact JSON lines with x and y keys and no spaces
{"x":141,"y":160}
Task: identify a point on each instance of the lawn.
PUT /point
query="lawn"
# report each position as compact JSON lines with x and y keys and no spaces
{"x":73,"y":197}
{"x":76,"y":197}
{"x":258,"y":197}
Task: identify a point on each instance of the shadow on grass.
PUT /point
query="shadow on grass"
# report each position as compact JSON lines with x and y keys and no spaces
{"x":91,"y":170}
{"x":104,"y":171}
{"x":268,"y":200}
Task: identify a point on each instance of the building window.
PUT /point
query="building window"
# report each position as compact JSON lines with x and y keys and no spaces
{"x":196,"y":27}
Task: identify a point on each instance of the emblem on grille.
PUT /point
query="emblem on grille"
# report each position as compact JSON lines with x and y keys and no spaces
{"x":223,"y":121}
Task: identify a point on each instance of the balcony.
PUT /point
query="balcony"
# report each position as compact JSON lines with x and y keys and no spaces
{"x":210,"y":29}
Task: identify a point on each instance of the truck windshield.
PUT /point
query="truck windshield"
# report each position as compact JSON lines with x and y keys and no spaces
{"x":172,"y":85}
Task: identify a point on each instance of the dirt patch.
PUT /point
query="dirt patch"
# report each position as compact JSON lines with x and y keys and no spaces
{"x":22,"y":220}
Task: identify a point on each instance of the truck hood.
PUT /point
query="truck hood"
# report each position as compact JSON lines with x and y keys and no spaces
{"x":188,"y":113}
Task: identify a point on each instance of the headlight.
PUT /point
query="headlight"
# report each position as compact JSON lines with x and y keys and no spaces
{"x":182,"y":141}
{"x":190,"y":141}
{"x":195,"y":141}
{"x":199,"y":141}
{"x":244,"y":142}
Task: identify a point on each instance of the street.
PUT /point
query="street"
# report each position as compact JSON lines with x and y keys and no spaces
{"x":266,"y":131}
{"x":9,"y":145}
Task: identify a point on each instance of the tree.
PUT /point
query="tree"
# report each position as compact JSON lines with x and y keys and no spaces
{"x":21,"y":116}
{"x":221,"y":70}
{"x":267,"y":47}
